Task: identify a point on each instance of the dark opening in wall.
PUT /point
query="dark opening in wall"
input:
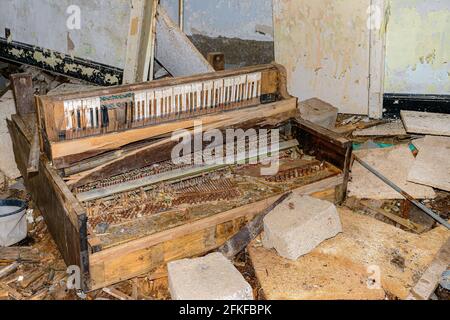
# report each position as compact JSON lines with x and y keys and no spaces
{"x":238,"y":52}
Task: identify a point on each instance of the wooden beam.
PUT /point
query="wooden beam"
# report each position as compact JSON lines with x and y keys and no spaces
{"x":35,"y":153}
{"x":377,"y":57}
{"x":429,"y":281}
{"x":8,"y":269}
{"x":140,"y":42}
{"x":22,"y":85}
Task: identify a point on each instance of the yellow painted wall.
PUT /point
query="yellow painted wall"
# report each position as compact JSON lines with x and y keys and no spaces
{"x":418,"y":47}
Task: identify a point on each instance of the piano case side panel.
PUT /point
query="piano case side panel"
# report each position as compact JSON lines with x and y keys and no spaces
{"x":65,"y":218}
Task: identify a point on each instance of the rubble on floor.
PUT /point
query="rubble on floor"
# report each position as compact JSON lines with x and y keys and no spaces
{"x":299,"y":224}
{"x":340,"y":267}
{"x":381,"y":235}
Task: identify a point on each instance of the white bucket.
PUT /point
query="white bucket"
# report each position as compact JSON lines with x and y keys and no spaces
{"x":13,"y":222}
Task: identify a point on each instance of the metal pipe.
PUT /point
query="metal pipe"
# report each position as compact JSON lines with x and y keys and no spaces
{"x":181,"y":14}
{"x":428,"y":211}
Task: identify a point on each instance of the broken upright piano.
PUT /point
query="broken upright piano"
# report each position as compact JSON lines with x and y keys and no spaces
{"x":115,"y":203}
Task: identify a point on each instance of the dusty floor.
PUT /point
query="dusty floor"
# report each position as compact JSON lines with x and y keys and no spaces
{"x":41,"y":274}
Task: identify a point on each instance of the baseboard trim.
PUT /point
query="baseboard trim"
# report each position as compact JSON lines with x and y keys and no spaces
{"x":60,"y":63}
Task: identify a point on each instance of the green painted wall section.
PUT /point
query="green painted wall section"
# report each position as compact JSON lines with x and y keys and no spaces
{"x":418,"y":47}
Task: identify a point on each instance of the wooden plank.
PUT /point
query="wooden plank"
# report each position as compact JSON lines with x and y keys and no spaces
{"x":140,"y":41}
{"x":175,"y":51}
{"x":83,"y":148}
{"x":432,"y":165}
{"x":429,"y":281}
{"x":64,"y":216}
{"x":31,"y":277}
{"x":9,"y":269}
{"x":22,"y":254}
{"x":143,"y":255}
{"x":12,"y":293}
{"x":404,"y":222}
{"x":35,"y":153}
{"x":426,"y":123}
{"x":116,"y":294}
{"x":22,"y":84}
{"x":378,"y":20}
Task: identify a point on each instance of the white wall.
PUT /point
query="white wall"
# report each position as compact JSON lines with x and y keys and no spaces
{"x":105,"y":23}
{"x":103,"y":33}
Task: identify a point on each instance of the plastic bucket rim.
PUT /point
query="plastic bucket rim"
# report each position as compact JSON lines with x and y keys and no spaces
{"x":22,"y":205}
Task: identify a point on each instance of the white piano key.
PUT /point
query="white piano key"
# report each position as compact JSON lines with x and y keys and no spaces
{"x":158,"y":97}
{"x":186,"y":100}
{"x":207,"y":91}
{"x":218,"y":96}
{"x":167,"y":93}
{"x":177,"y":92}
{"x":197,"y":88}
{"x":150,"y":101}
{"x":68,"y":109}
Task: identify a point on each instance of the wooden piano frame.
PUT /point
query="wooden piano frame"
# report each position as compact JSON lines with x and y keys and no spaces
{"x":66,"y":217}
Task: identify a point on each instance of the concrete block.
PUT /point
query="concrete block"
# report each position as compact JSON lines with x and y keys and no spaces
{"x":300,"y":224}
{"x":212,"y":277}
{"x":318,"y":112}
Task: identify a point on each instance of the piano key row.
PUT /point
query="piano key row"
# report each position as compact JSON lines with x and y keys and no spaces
{"x":84,"y":113}
{"x":161,"y":103}
{"x":195,"y":97}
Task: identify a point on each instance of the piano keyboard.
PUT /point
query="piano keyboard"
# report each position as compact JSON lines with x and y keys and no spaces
{"x":84,"y":117}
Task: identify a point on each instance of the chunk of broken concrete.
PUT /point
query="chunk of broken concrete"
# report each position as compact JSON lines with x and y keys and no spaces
{"x":319,"y":112}
{"x":299,"y":224}
{"x":212,"y":277}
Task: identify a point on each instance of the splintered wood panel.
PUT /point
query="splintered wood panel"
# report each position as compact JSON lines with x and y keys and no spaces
{"x":394,"y":163}
{"x":432,"y":165}
{"x":325,"y":47}
{"x":426,"y":123}
{"x":340,"y":267}
{"x":61,"y":216}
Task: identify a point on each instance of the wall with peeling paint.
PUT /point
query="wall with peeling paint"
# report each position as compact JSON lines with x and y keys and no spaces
{"x":325,"y":47}
{"x":418,"y":47}
{"x":103,"y":33}
{"x":104,"y":27}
